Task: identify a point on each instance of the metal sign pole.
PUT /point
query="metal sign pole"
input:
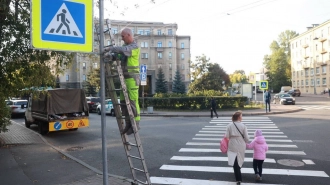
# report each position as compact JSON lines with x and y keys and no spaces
{"x":143,"y":98}
{"x":102,"y":79}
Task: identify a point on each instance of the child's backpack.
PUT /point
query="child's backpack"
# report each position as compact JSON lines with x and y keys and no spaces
{"x":224,"y":144}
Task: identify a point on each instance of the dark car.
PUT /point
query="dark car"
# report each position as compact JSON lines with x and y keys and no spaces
{"x":294,"y":92}
{"x":93,"y":102}
{"x":284,"y":99}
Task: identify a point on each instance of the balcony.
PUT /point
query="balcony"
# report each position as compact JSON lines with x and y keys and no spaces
{"x":160,"y":49}
{"x":306,"y":66}
{"x":323,"y":51}
{"x":305,"y":46}
{"x":321,"y":63}
{"x":322,"y":39}
{"x":306,"y":56}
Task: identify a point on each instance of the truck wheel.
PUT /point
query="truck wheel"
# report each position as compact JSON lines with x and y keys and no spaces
{"x":98,"y":111}
{"x":43,"y":128}
{"x":27,"y":124}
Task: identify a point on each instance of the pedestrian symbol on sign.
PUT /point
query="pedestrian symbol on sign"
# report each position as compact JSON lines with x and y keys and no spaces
{"x":263,"y":85}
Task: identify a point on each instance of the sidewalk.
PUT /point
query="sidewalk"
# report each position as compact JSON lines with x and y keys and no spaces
{"x":26,"y":158}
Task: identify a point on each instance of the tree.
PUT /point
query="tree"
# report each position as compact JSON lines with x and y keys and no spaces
{"x":178,"y":85}
{"x":238,"y":77}
{"x":207,"y":75}
{"x":21,"y":66}
{"x":161,"y":83}
{"x":278,"y":63}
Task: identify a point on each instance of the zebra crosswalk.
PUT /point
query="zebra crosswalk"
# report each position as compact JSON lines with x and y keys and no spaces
{"x":202,"y":157}
{"x":315,"y":107}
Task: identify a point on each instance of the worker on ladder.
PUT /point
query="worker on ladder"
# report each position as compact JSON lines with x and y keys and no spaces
{"x":129,"y":56}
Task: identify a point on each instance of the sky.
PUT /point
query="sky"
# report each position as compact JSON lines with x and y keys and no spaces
{"x":236,"y":34}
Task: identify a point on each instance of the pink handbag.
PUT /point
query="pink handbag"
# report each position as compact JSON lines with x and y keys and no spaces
{"x":224,"y":144}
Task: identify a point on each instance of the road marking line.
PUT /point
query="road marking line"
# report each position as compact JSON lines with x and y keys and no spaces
{"x":182,"y":181}
{"x":269,"y":129}
{"x":306,"y":161}
{"x":268,"y":140}
{"x":217,"y":144}
{"x":268,"y":171}
{"x":246,"y":151}
{"x":225,"y":126}
{"x":246,"y":117}
{"x":248,"y":132}
{"x":250,"y":136}
{"x":252,"y":121}
{"x":192,"y":158}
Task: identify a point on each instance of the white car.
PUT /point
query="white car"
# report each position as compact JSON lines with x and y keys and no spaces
{"x":108,"y":108}
{"x":17,"y":107}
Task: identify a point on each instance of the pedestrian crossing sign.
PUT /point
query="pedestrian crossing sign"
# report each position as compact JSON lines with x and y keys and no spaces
{"x":263,"y":85}
{"x":62,"y":25}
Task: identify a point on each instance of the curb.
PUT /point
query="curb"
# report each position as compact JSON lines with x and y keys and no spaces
{"x":75,"y":159}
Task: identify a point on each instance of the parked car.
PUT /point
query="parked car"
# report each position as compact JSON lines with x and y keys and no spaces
{"x":17,"y":107}
{"x":284,"y":99}
{"x":109,"y":109}
{"x":93,"y":102}
{"x":294,"y":92}
{"x":286,"y":88}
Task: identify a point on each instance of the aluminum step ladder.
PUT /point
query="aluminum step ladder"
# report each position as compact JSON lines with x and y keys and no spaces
{"x":113,"y":71}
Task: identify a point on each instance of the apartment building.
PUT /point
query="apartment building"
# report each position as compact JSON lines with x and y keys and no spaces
{"x":310,"y":59}
{"x":160,"y":47}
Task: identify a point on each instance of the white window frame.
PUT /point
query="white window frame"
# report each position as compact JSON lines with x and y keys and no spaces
{"x":67,"y":78}
{"x":324,"y":69}
{"x":160,"y":55}
{"x":170,"y":55}
{"x":182,"y":56}
{"x":95,"y":65}
{"x":84,"y":78}
{"x":84,"y":65}
{"x":182,"y":45}
{"x":159,"y":44}
{"x":169,"y":44}
{"x":317,"y":70}
{"x":324,"y":81}
{"x":144,"y":55}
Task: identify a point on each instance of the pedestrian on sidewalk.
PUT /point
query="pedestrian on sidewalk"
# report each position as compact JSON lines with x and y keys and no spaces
{"x":237,"y":135}
{"x":213,"y":107}
{"x":260,"y":148}
{"x":267,"y":98}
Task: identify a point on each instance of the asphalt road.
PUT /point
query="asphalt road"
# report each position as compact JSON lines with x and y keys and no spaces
{"x":167,"y":141}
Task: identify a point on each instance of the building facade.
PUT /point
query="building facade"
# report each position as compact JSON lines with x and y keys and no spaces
{"x":160,"y":47}
{"x":310,"y":59}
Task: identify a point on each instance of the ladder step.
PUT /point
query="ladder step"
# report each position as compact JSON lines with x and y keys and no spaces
{"x":135,"y":156}
{"x":141,"y":181}
{"x":132,"y":144}
{"x":138,"y":170}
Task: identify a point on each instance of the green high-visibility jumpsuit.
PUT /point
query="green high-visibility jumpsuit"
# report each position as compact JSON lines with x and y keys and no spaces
{"x":130,"y":65}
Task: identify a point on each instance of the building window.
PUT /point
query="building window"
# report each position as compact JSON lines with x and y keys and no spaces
{"x":170,"y":66}
{"x":67,"y":78}
{"x":159,"y":44}
{"x":132,"y":31}
{"x":84,"y":65}
{"x":144,"y":55}
{"x":302,"y":82}
{"x":170,"y":32}
{"x":182,"y":45}
{"x":182,"y":66}
{"x":114,"y":30}
{"x":170,"y":55}
{"x":312,"y":71}
{"x":317,"y":81}
{"x":159,"y":32}
{"x":147,"y":32}
{"x":160,"y":55}
{"x":183,"y":77}
{"x":144,"y":44}
{"x":109,"y":42}
{"x":140,"y":32}
{"x":306,"y":72}
{"x":302,"y":73}
{"x":169,"y":44}
{"x":95,"y":65}
{"x":306,"y":82}
{"x":324,"y":69}
{"x":182,"y":56}
{"x":317,"y":70}
{"x":316,"y":47}
{"x":298,"y":83}
{"x":293,"y":73}
{"x":324,"y":81}
{"x":84,"y":77}
{"x":312,"y":82}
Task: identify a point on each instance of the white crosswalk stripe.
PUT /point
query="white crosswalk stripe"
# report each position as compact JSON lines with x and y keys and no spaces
{"x":204,"y":147}
{"x":315,"y":107}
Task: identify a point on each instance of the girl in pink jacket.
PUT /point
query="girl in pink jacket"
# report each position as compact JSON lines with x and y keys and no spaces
{"x":260,"y":148}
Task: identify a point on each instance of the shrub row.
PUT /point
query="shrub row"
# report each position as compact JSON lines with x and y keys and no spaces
{"x":193,"y":103}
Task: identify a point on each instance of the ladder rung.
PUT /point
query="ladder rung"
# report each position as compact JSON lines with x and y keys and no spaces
{"x":138,"y":170}
{"x":141,"y":181}
{"x":135,"y":157}
{"x":132,"y":144}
